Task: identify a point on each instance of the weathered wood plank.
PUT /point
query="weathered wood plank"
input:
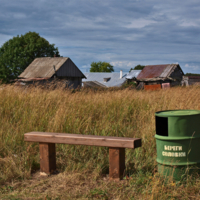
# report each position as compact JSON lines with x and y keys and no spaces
{"x":116,"y":163}
{"x":78,"y":139}
{"x":47,"y":158}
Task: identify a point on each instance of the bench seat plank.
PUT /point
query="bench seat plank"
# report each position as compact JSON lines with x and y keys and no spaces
{"x":91,"y":140}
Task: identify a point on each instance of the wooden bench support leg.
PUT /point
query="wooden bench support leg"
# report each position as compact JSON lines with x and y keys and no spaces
{"x":116,"y":163}
{"x":47,"y":157}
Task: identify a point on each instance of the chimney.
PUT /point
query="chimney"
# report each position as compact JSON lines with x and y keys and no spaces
{"x":120,"y":74}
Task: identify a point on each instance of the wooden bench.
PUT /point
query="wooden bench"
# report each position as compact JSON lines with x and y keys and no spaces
{"x":116,"y":146}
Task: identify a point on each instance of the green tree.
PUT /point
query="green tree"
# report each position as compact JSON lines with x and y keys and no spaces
{"x":131,"y":69}
{"x":191,"y":74}
{"x":17,"y":53}
{"x":139,"y":67}
{"x":101,"y":67}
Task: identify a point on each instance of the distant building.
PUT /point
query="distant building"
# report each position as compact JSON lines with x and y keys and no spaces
{"x":190,"y":80}
{"x":132,"y":76}
{"x":160,"y":76}
{"x":107,"y":79}
{"x":46,"y":69}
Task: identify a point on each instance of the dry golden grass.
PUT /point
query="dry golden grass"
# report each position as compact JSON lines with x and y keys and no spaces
{"x":83,"y":169}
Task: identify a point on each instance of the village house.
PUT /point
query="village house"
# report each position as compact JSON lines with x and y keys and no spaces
{"x":190,"y":80}
{"x":108,"y":79}
{"x":160,"y":76}
{"x":47,"y":69}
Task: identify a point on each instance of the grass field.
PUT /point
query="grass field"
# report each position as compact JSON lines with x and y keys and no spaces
{"x":83,"y":169}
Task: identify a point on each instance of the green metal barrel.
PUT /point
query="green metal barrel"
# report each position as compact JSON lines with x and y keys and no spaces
{"x":178,"y":142}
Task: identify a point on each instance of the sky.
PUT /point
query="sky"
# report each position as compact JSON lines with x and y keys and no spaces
{"x":123,"y":33}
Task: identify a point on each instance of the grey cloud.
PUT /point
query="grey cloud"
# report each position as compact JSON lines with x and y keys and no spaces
{"x":135,"y":32}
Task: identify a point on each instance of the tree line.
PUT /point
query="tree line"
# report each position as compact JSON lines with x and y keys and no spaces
{"x":17,"y":53}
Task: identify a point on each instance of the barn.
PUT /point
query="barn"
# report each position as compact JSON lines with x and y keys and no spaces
{"x":160,"y":76}
{"x":46,"y":69}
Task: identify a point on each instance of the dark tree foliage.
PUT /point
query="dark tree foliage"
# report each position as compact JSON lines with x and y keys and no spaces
{"x":131,"y":69}
{"x":17,"y":53}
{"x":191,"y":74}
{"x":139,"y":67}
{"x":101,"y":67}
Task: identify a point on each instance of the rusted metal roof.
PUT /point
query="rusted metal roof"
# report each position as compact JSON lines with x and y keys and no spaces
{"x":158,"y":71}
{"x":44,"y":68}
{"x":168,"y":70}
{"x":152,"y":71}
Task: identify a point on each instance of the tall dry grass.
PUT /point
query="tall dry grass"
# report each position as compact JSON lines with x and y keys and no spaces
{"x":124,"y":113}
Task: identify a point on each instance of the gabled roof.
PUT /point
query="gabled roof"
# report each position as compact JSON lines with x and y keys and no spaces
{"x":133,"y":74}
{"x":92,"y":84}
{"x":158,"y":71}
{"x":43,"y":68}
{"x":113,"y":81}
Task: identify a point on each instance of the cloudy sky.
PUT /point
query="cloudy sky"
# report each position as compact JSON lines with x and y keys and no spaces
{"x":124,"y":33}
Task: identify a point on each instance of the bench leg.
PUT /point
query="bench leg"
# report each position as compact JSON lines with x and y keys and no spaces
{"x":47,"y":157}
{"x":116,"y":163}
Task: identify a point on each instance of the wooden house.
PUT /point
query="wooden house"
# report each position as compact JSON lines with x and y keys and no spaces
{"x":47,"y":69}
{"x":160,"y":76}
{"x":104,"y":79}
